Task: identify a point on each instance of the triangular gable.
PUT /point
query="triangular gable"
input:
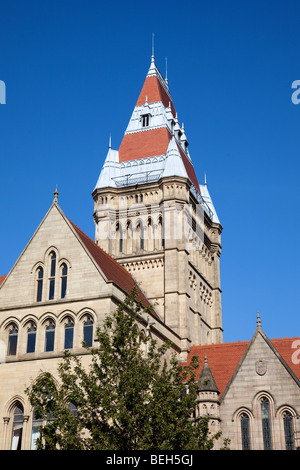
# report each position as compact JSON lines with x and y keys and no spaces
{"x":225,"y":359}
{"x":101,"y":262}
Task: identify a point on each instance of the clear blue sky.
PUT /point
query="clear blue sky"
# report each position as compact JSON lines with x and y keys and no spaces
{"x":73,"y":71}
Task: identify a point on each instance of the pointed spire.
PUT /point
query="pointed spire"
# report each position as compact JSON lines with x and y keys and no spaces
{"x":56,"y":193}
{"x":258,"y":321}
{"x":206,"y":380}
{"x":152,"y":58}
{"x":166,"y":79}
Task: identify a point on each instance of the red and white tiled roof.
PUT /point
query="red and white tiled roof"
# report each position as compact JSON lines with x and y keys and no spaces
{"x":154,"y":144}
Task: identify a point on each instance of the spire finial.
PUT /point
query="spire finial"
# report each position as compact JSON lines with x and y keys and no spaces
{"x":56,"y":193}
{"x":258,"y":321}
{"x":109,"y":142}
{"x":152,"y":46}
{"x":166,"y":79}
{"x":205,"y":182}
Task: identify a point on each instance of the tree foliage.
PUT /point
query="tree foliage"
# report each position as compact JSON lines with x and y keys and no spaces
{"x":133,"y":395}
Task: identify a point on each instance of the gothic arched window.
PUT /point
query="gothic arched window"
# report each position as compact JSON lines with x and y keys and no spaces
{"x":88,"y":327}
{"x":140,"y":233}
{"x":119,"y":238}
{"x":64,"y":278}
{"x":288,"y":430}
{"x":245,"y":431}
{"x":37,"y":423}
{"x":17,"y":428}
{"x":31,"y":338}
{"x":266,"y":425}
{"x":39,"y":290}
{"x":49,"y":336}
{"x":69,"y":334}
{"x":52,"y":275}
{"x":12,"y":340}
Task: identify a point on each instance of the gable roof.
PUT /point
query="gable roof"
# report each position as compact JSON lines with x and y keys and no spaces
{"x":2,"y":278}
{"x":224,"y":358}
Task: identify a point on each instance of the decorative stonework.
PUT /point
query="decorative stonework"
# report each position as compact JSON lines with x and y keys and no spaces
{"x":261,"y":367}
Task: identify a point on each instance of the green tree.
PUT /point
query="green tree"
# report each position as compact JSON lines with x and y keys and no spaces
{"x":133,"y":395}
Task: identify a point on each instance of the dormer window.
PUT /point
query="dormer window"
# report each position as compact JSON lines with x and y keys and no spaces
{"x":145,"y":120}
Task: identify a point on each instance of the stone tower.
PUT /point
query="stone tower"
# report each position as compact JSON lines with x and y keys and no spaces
{"x":152,"y":215}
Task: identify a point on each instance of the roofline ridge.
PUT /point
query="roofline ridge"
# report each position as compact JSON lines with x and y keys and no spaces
{"x":102,"y":250}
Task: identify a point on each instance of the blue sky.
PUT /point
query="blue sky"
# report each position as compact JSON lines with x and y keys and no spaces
{"x":73,"y":71}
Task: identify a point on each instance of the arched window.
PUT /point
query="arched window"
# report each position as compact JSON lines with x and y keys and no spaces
{"x":69,"y":334}
{"x":49,"y":336}
{"x":162,"y":232}
{"x":64,"y":278}
{"x":17,"y":429}
{"x":31,"y":338}
{"x":288,"y":430}
{"x":245,"y":431}
{"x":37,"y":423}
{"x":88,"y":327}
{"x":266,"y":425}
{"x":12,"y":340}
{"x":52,"y":275}
{"x":40,"y":278}
{"x":140,"y":233}
{"x":119,"y":238}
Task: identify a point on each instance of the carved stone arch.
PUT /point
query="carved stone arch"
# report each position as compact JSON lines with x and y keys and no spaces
{"x":62,"y":261}
{"x":10,"y":321}
{"x":29,"y":319}
{"x":49,"y":251}
{"x":47,"y":317}
{"x":13,"y":402}
{"x":264,"y":394}
{"x":86,"y":311}
{"x":65,"y":315}
{"x":286,"y":409}
{"x":240,"y":411}
{"x":38,"y":264}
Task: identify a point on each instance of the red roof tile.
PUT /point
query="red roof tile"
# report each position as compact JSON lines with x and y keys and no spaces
{"x":154,"y":91}
{"x":223,"y":358}
{"x":189,"y":169}
{"x":2,"y":278}
{"x":112,"y":270}
{"x":150,"y":143}
{"x":289,"y":349}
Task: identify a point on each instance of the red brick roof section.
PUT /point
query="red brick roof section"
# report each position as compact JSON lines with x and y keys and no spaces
{"x":148,"y":143}
{"x":155,"y":92}
{"x":189,"y":169}
{"x":2,"y":278}
{"x":289,"y":349}
{"x":223,"y":358}
{"x":112,"y":270}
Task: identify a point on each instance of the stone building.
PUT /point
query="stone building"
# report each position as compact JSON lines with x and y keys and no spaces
{"x":155,"y":226}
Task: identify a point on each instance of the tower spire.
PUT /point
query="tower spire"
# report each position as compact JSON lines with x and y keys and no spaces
{"x":258,"y":321}
{"x":56,"y":193}
{"x":152,"y":47}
